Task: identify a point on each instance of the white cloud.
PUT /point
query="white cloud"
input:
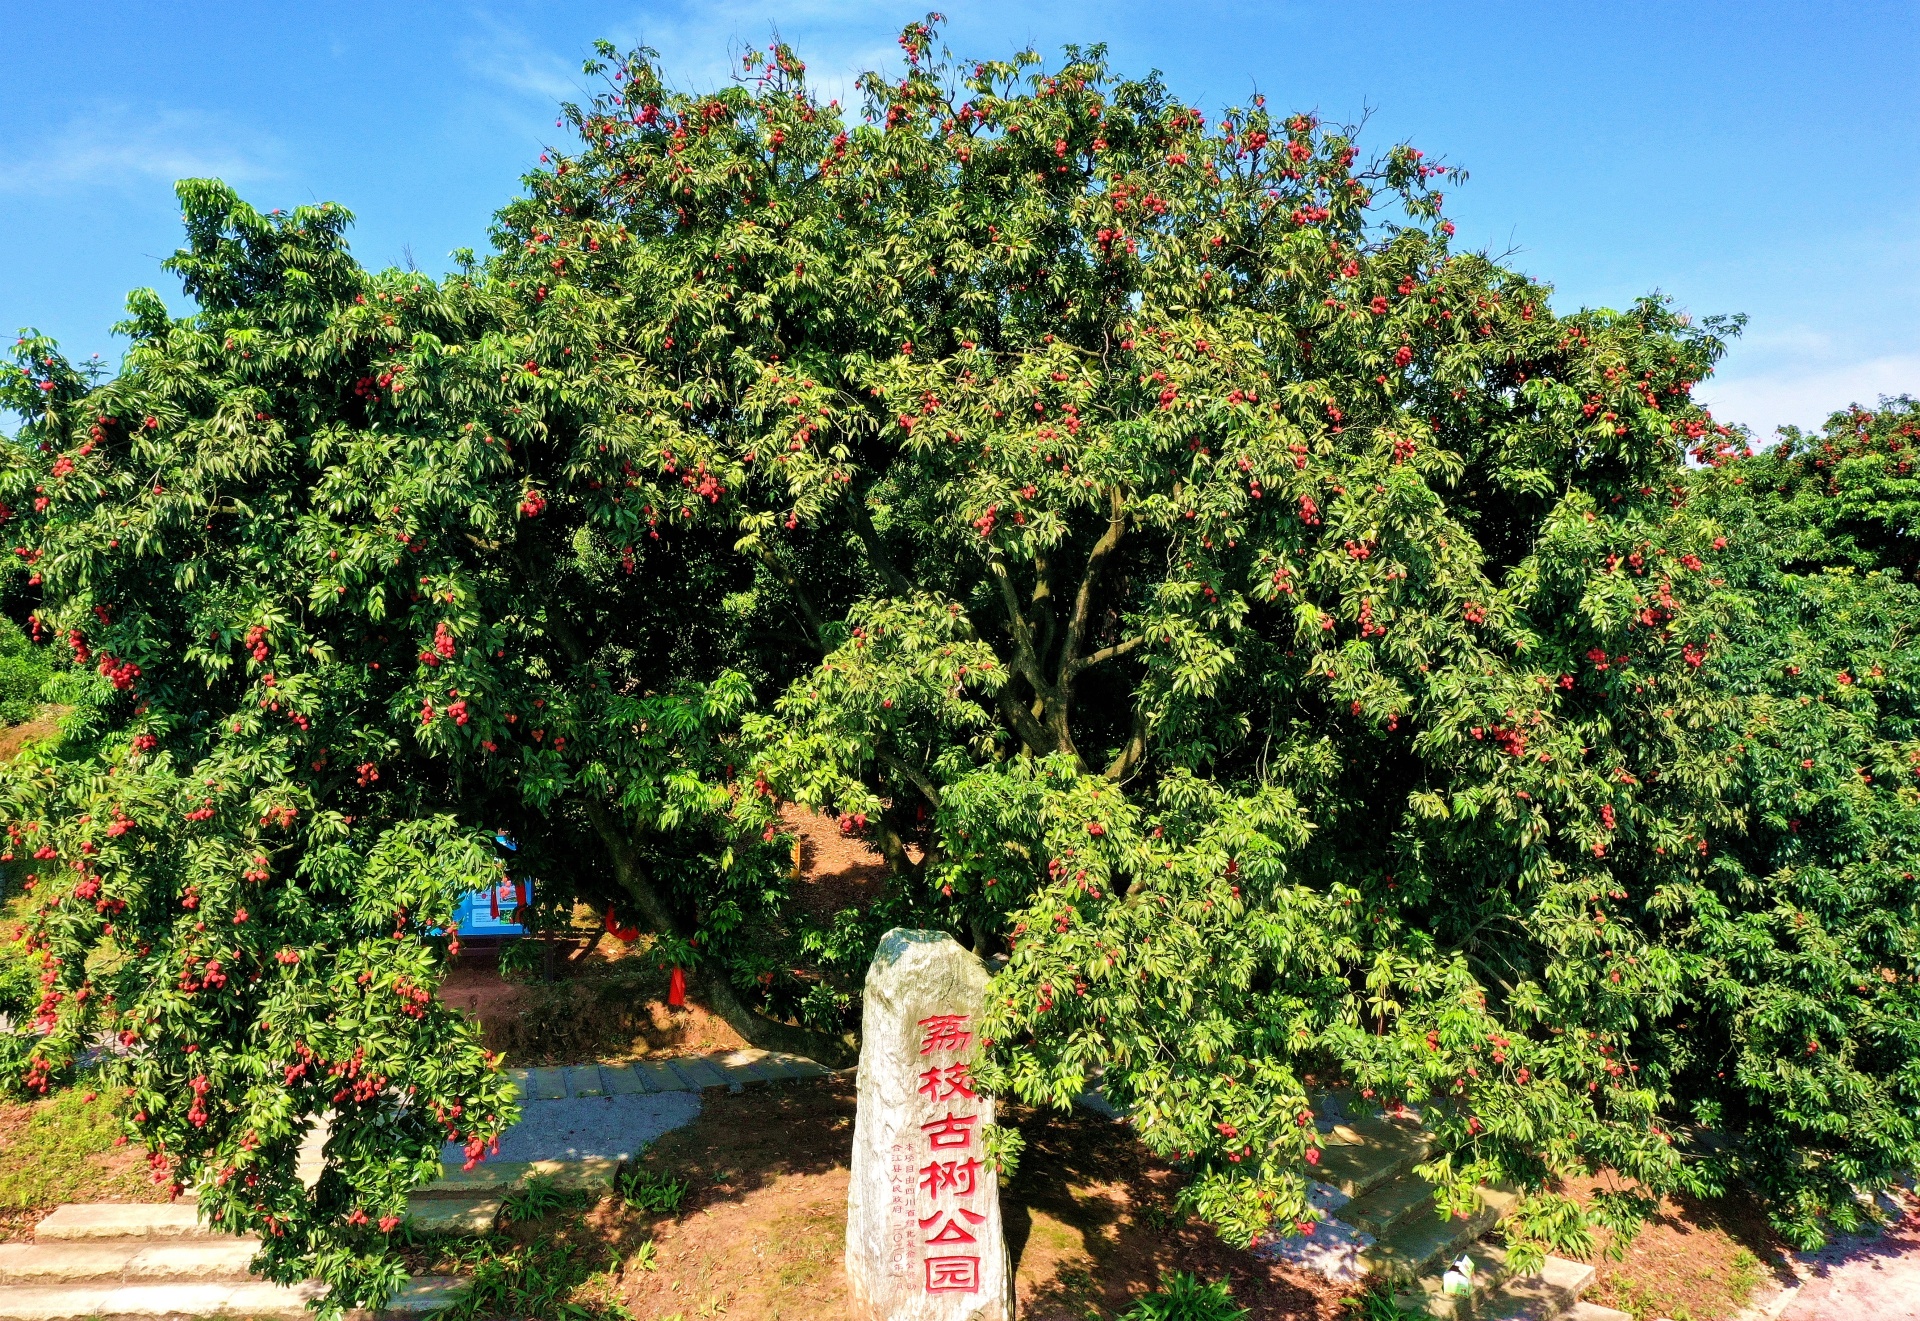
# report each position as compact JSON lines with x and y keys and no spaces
{"x":112,"y":145}
{"x":1767,"y":400}
{"x":510,"y":58}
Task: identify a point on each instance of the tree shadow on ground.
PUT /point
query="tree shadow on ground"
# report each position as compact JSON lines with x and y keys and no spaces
{"x":1089,"y":1214}
{"x":1740,"y":1216}
{"x":1103,"y":1229}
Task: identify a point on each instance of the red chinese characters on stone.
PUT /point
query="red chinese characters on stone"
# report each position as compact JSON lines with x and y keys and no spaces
{"x":938,"y":1084}
{"x":953,"y":1274}
{"x":953,"y":1131}
{"x":945,"y":1032}
{"x":959,"y":1175}
{"x":954,"y":1231}
{"x":944,"y":1084}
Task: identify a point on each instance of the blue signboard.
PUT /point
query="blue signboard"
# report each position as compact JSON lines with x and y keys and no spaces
{"x":490,"y":912}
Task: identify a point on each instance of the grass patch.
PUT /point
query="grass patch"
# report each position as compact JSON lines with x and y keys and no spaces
{"x":543,"y":1278}
{"x":651,"y":1191}
{"x":541,"y":1196}
{"x":62,"y":1150}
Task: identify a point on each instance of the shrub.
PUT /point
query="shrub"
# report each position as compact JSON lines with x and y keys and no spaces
{"x":1182,"y":1297}
{"x":23,"y":672}
{"x":652,"y":1191}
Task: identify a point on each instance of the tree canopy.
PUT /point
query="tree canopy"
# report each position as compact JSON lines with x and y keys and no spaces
{"x":1285,"y":644}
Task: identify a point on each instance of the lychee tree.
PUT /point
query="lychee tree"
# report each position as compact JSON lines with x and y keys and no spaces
{"x":1266,"y":626}
{"x":338,"y":638}
{"x":1804,"y":1039}
{"x":1290,"y":643}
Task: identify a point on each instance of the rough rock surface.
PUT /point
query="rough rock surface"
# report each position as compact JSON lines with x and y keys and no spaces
{"x":924,"y":1238}
{"x":1331,"y":1248}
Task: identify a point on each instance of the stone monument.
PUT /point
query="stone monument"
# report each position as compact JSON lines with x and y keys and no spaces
{"x":924,"y":1241}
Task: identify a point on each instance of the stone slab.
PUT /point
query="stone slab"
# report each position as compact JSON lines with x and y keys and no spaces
{"x":1359,"y":1162}
{"x":585,"y":1080}
{"x":1425,"y":1242}
{"x":660,"y":1078}
{"x":549,"y":1084}
{"x":621,"y":1080}
{"x":1490,"y":1272}
{"x":522,"y":1082}
{"x":497,"y":1176}
{"x":615,"y":1128}
{"x":251,"y":1298}
{"x":1541,"y":1297}
{"x":454,"y":1215}
{"x":78,"y":1260}
{"x":1392,"y":1203}
{"x":215,"y":1259}
{"x":923,"y":1248}
{"x":745,"y":1066}
{"x":1595,"y":1312}
{"x":779,"y":1067}
{"x":423,"y":1293}
{"x":698,"y":1071}
{"x":121,"y":1220}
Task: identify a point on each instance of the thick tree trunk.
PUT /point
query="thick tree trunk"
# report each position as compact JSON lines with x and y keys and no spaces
{"x":761,"y":1031}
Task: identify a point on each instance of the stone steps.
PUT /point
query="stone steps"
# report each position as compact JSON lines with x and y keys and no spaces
{"x":157,"y":1301}
{"x":1423,"y":1245}
{"x":149,"y":1261}
{"x":155,"y":1261}
{"x":1370,"y":1159}
{"x":1362,"y":1155}
{"x":127,"y":1259}
{"x":1500,"y":1295}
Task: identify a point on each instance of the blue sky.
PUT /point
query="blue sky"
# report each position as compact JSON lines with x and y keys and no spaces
{"x":1752,"y":157}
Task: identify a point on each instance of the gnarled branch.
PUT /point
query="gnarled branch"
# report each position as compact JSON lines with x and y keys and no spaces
{"x":1118,"y":649}
{"x":789,"y":580}
{"x":1097,"y":558}
{"x":1134,"y":752}
{"x":764,"y":1032}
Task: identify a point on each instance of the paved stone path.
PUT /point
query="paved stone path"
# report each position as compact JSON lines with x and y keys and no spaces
{"x":590,"y":1127}
{"x":600,"y":1112}
{"x":680,"y":1073}
{"x":1856,"y":1279}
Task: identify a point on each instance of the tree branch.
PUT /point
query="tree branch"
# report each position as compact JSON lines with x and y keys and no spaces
{"x":764,"y":1032}
{"x":1109,"y":653}
{"x":1041,"y":602}
{"x":791,"y":582}
{"x":1083,"y":598}
{"x":1024,"y":656}
{"x":893,"y":847}
{"x":1134,"y":752}
{"x":1013,"y":714}
{"x":1024,"y":727}
{"x":926,"y":788}
{"x":897,"y":582}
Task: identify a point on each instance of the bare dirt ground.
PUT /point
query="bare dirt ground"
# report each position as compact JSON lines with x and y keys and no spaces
{"x":43,"y":725}
{"x":607,"y":999}
{"x":836,"y":871}
{"x":1703,"y":1260}
{"x":762,"y":1231}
